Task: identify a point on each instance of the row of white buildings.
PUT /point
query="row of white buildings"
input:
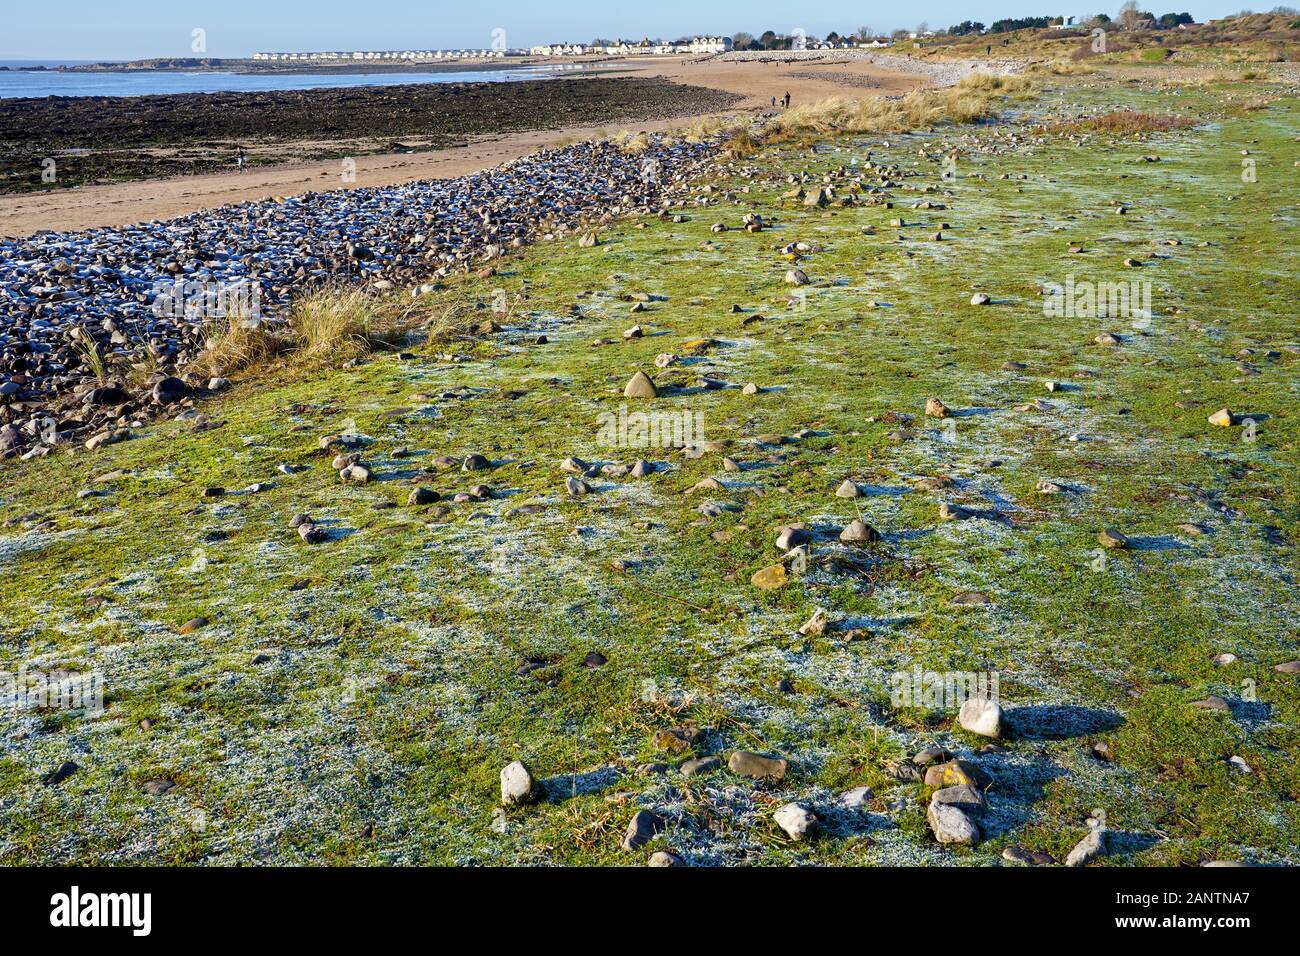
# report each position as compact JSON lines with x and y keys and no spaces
{"x":620,"y":48}
{"x":643,"y":48}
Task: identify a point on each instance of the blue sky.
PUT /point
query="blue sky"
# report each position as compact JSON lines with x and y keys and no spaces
{"x":124,"y":29}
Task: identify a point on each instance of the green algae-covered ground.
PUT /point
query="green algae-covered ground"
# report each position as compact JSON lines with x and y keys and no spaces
{"x":353,"y":701}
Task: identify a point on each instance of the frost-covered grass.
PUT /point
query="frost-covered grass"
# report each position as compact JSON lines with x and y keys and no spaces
{"x":354,"y":700}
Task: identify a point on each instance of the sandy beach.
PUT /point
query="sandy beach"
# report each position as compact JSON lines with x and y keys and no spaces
{"x":124,"y":203}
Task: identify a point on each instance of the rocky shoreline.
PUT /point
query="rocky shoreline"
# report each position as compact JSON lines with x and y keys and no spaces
{"x":78,"y":309}
{"x":96,"y":139}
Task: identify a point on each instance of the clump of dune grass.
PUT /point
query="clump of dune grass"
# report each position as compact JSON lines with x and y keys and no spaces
{"x":705,"y":128}
{"x":976,"y":97}
{"x":1124,"y":123}
{"x":741,"y":144}
{"x":631,"y":142}
{"x":328,"y":327}
{"x":456,"y":321}
{"x":1061,"y":68}
{"x":88,"y":350}
{"x":334,"y":326}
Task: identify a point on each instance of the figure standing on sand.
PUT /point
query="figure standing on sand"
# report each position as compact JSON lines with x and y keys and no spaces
{"x":241,"y":158}
{"x":785,"y":100}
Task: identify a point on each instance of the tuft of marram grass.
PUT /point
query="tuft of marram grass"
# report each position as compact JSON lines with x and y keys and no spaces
{"x":326,"y":328}
{"x":974,"y":98}
{"x":1124,"y":122}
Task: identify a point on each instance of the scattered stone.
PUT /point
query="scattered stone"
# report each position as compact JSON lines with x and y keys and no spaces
{"x":1110,"y":538}
{"x":170,"y":390}
{"x":640,"y":386}
{"x":796,"y":277}
{"x":1088,"y":849}
{"x":791,"y":536}
{"x":697,"y":766}
{"x":936,"y":409}
{"x":475,"y":462}
{"x":956,"y":773}
{"x":848,"y":489}
{"x":971,"y":597}
{"x":157,"y":786}
{"x":743,"y":763}
{"x":951,"y":825}
{"x":60,"y":774}
{"x":192,"y":625}
{"x":643,"y":826}
{"x":966,"y":798}
{"x":951,"y":512}
{"x":1018,"y":854}
{"x":979,"y":298}
{"x":798,"y":822}
{"x":517,"y":784}
{"x":422,"y":496}
{"x":981,"y":716}
{"x":664,"y":858}
{"x":856,"y":798}
{"x":1223,"y":418}
{"x":1216,"y":704}
{"x":816,"y":625}
{"x":859,"y":532}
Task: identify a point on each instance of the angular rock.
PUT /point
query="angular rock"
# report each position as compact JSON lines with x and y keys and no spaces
{"x":799,"y":823}
{"x":952,"y":825}
{"x":641,"y":829}
{"x":859,"y":532}
{"x":640,"y":385}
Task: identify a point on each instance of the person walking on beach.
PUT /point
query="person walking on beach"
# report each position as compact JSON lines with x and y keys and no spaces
{"x":787,"y":99}
{"x":774,"y":102}
{"x":241,"y":158}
